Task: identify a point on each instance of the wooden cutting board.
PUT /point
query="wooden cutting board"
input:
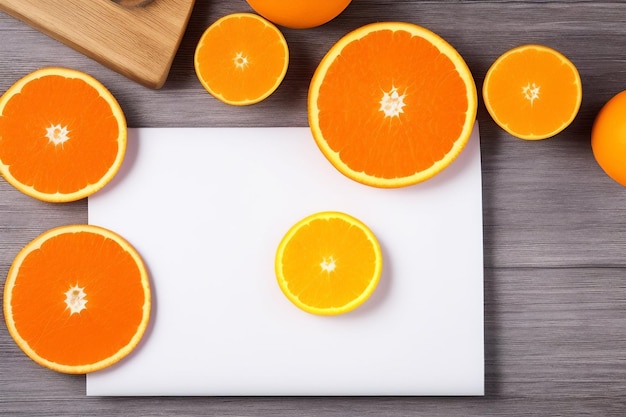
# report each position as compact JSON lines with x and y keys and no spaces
{"x":138,"y":42}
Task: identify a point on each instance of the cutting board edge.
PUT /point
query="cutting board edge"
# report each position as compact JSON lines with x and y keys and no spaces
{"x":154,"y":81}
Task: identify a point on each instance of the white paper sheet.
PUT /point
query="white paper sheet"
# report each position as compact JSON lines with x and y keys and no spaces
{"x":206,"y":208}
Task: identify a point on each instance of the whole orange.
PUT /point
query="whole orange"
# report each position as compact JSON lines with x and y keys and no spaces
{"x":608,"y":138}
{"x":299,"y":14}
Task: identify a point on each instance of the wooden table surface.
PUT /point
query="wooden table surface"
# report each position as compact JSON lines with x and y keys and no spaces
{"x":554,"y":223}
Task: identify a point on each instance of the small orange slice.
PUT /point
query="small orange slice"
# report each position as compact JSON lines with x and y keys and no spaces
{"x":62,"y":135}
{"x":532,"y":92}
{"x":241,"y":59}
{"x":77,"y":299}
{"x":392,"y":104}
{"x":328,"y":263}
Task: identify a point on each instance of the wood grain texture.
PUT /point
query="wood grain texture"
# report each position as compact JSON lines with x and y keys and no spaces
{"x":138,"y":42}
{"x":554,"y":223}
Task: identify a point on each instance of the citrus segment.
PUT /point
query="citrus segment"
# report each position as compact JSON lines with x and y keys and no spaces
{"x":62,"y":135}
{"x":328,"y":263}
{"x":77,"y":298}
{"x":392,"y":104}
{"x":299,"y":14}
{"x":241,"y":59}
{"x":608,"y":138}
{"x":532,"y":91}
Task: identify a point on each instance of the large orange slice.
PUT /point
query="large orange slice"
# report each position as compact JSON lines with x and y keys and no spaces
{"x":328,"y":263}
{"x":241,"y":59}
{"x":392,"y":104}
{"x":532,"y":91}
{"x":77,"y":299}
{"x":62,"y":135}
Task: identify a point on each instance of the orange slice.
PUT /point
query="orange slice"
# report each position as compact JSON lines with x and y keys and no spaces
{"x":241,"y":59}
{"x":532,"y":92}
{"x":328,"y":263}
{"x":392,"y":104}
{"x":77,"y":299}
{"x":62,"y":135}
{"x":299,"y":14}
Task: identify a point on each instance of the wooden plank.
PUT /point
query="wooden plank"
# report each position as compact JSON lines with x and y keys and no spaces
{"x":138,"y":42}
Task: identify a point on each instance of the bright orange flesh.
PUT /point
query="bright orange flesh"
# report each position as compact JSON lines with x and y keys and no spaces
{"x":392,"y":104}
{"x":115,"y":284}
{"x":299,"y":14}
{"x":37,"y":157}
{"x":241,"y":59}
{"x":533,"y":92}
{"x":328,"y":263}
{"x":608,"y":138}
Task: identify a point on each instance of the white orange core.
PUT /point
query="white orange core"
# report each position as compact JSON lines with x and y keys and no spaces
{"x":240,"y":60}
{"x":328,"y":264}
{"x":392,"y":103}
{"x":531,"y":92}
{"x":75,"y":299}
{"x":57,"y":134}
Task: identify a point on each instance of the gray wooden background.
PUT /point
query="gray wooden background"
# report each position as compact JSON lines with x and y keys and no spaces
{"x":554,"y":223}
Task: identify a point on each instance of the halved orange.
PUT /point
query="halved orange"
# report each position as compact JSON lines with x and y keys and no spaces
{"x":77,"y":298}
{"x":328,"y":263}
{"x":532,"y":92}
{"x":62,"y":135}
{"x":392,"y":104}
{"x":241,"y":59}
